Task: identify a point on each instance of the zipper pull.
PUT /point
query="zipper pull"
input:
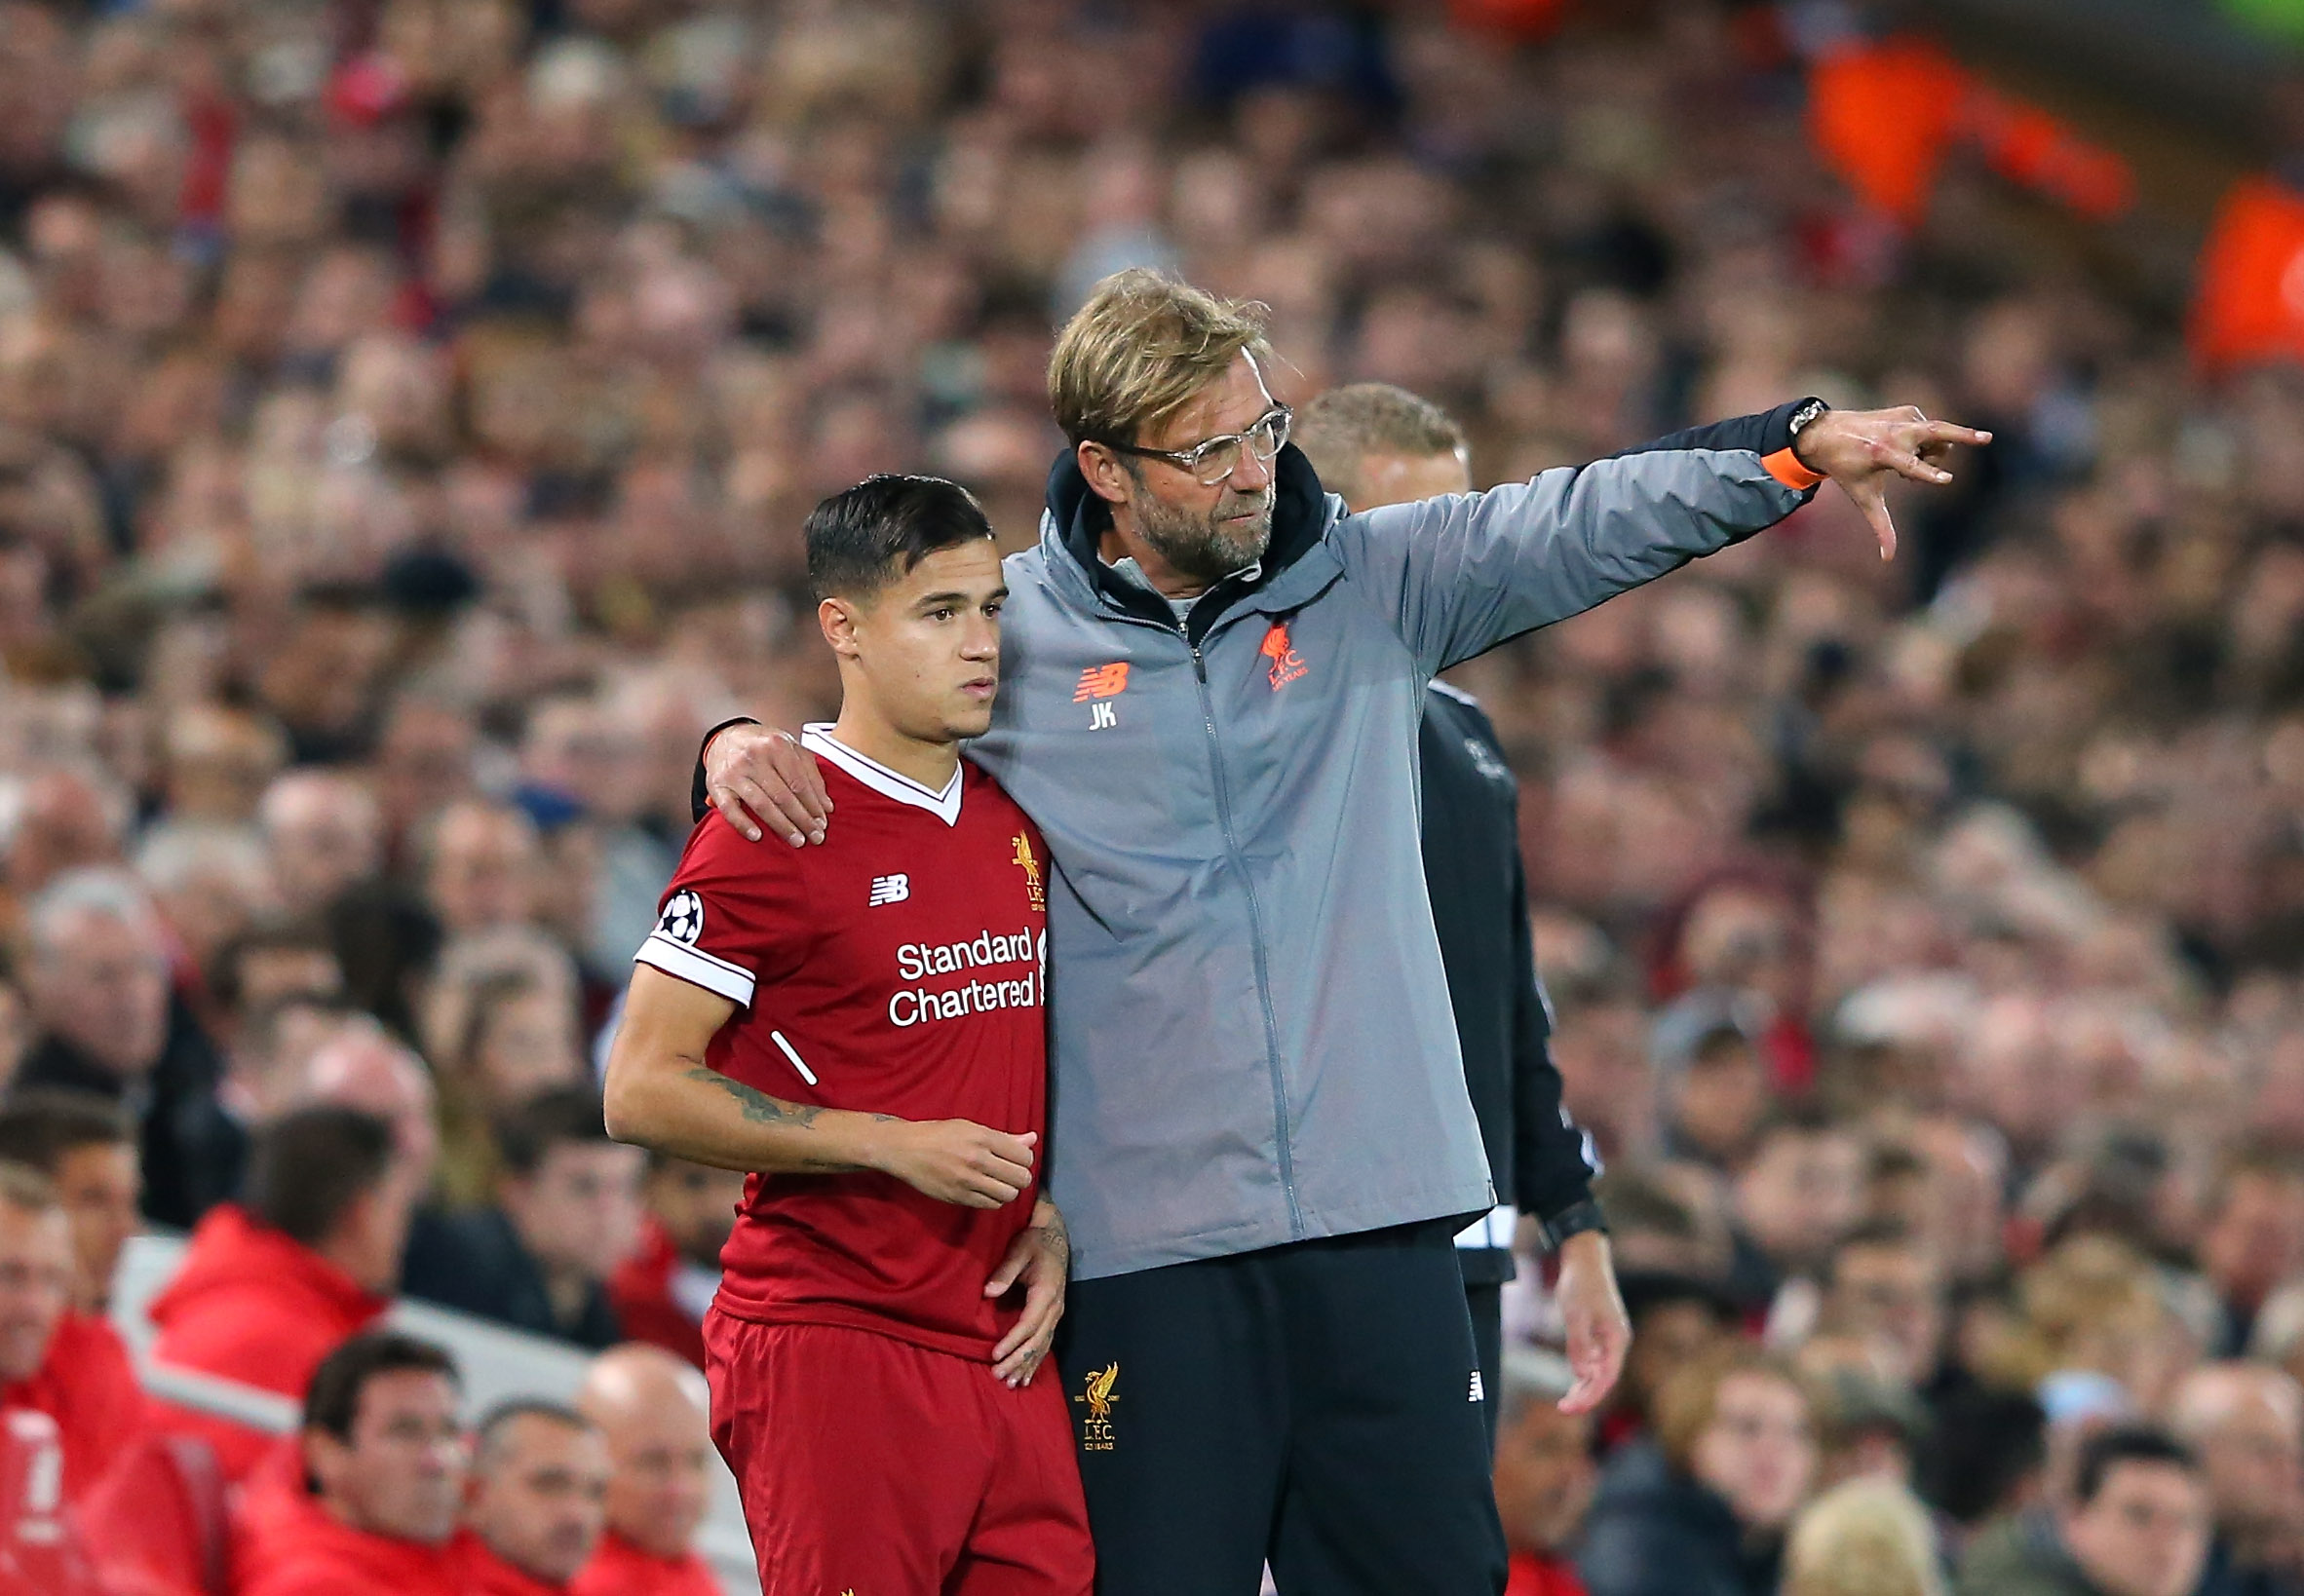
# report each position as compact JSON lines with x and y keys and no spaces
{"x":1199,"y":664}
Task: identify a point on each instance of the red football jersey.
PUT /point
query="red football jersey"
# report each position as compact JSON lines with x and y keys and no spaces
{"x":901,"y":968}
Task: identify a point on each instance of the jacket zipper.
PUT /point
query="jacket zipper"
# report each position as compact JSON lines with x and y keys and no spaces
{"x":1279,"y":1097}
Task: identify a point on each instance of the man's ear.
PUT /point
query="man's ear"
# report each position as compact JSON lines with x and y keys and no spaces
{"x":324,"y":1457}
{"x":838,"y":618}
{"x":1107,"y":473}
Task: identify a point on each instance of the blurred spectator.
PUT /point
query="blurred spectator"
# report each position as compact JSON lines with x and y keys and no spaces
{"x":2254,"y":1236}
{"x":653,"y":1412}
{"x":1543,"y":1472}
{"x":268,"y":1290}
{"x":1866,"y":1538}
{"x":540,"y":1483}
{"x":266,"y":964}
{"x":1716,"y":1095}
{"x":322,"y":833}
{"x":59,"y":819}
{"x":1882,"y":1287}
{"x":86,"y":1149}
{"x":98,"y":982}
{"x":501,"y":1024}
{"x":661,"y":1292}
{"x":218,"y":763}
{"x":481,"y":868}
{"x":1677,"y":1320}
{"x":1985,"y":1461}
{"x":1702,"y":1510}
{"x":373,"y":1506}
{"x":361,"y":1066}
{"x":208,"y":882}
{"x":2137,"y":1525}
{"x":2246,"y":1425}
{"x":568,"y":1212}
{"x":1797,"y":1194}
{"x":65,"y":1364}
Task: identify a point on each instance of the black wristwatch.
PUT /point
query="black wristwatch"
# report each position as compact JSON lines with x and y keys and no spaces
{"x":1573,"y":1220}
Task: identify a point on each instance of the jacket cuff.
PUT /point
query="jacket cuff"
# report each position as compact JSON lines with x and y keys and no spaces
{"x":1574,"y":1220}
{"x":1767,"y":434}
{"x":700,"y":800}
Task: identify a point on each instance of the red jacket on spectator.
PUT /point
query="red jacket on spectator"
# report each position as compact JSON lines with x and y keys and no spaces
{"x":621,"y":1569}
{"x":1534,"y":1576}
{"x":291,"y":1547}
{"x":485,"y":1573}
{"x":640,"y":1292}
{"x":254,"y":1306}
{"x":40,"y":1554}
{"x":88,"y":1385}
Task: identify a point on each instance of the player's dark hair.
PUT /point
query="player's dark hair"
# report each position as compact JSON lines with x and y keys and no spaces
{"x":331,"y":1400}
{"x":864,"y":537}
{"x":309,"y":1166}
{"x":40,"y":1124}
{"x":527,"y":1133}
{"x":2107,"y":1450}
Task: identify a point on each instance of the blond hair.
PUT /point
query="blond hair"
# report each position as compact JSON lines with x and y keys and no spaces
{"x":1690,"y":1395}
{"x":1864,"y":1538}
{"x":1143,"y":347}
{"x":1340,"y":429}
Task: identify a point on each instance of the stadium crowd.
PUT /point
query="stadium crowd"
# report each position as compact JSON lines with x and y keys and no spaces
{"x":408,"y":408}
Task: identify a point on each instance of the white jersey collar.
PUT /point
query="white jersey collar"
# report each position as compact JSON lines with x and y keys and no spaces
{"x":817,"y":738}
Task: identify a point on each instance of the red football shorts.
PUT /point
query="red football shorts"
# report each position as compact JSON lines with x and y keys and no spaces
{"x":872,"y":1466}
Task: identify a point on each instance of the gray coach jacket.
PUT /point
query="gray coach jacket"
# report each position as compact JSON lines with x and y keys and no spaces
{"x":1251,"y":1026}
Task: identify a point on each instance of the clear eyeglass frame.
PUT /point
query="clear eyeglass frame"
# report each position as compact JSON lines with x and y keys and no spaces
{"x":1211,"y":460}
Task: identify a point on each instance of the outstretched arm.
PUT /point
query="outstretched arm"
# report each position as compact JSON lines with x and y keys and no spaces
{"x":1461,"y":573}
{"x":661,"y":1095}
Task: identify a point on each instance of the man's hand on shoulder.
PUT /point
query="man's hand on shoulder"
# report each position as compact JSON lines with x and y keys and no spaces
{"x":1865,"y":450}
{"x":759,"y":776}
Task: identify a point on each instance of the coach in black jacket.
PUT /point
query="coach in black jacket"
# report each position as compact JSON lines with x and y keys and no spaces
{"x":1542,"y":1163}
{"x":1374,"y":445}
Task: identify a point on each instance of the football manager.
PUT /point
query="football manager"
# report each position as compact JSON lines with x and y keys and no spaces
{"x":1212,"y":682}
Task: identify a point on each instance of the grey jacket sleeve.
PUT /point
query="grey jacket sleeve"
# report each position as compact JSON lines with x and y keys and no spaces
{"x":1459,"y":574}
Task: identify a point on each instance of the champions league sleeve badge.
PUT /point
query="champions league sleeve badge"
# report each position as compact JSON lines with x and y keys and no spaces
{"x":684,"y":917}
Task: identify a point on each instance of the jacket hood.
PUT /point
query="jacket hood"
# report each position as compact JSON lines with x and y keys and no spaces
{"x":232,"y":1253}
{"x":1079,"y":519}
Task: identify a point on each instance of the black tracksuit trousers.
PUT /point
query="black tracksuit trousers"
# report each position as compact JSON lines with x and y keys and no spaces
{"x":1312,"y":1405}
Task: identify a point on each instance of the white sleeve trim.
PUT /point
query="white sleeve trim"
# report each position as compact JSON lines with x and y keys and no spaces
{"x":697,"y":968}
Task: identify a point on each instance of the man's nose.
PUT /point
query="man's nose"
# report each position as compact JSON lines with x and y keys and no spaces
{"x":1251,"y":475}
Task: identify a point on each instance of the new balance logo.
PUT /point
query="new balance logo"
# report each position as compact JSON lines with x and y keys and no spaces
{"x":890,"y":889}
{"x":1479,"y":1390}
{"x":1107,"y":681}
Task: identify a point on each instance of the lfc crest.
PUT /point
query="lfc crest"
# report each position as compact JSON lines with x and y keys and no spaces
{"x":1095,"y":1393}
{"x":1034,"y":893}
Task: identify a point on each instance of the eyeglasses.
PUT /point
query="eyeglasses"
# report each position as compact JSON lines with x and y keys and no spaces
{"x":1217,"y":458}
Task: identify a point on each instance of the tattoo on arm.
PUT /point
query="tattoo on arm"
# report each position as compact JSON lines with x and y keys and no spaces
{"x":1055,"y":1238}
{"x":759,"y":1107}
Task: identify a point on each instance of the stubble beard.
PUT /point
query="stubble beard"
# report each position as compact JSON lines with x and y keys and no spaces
{"x":1206,"y":548}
